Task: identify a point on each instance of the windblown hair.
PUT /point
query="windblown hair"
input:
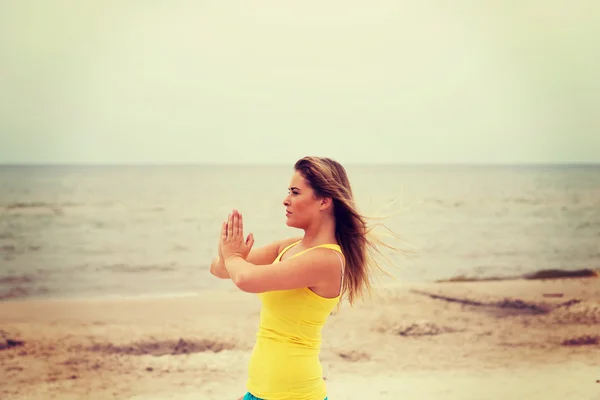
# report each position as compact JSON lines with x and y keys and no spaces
{"x":356,"y":238}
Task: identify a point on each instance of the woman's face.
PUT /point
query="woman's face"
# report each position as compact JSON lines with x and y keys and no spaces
{"x":301,"y":204}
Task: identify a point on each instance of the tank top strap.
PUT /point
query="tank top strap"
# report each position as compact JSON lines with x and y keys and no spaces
{"x":330,"y":246}
{"x":338,"y":252}
{"x":286,"y":248}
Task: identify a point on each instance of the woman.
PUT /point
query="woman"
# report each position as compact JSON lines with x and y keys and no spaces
{"x":299,"y":280}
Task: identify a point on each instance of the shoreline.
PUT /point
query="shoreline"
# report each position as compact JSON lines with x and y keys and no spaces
{"x":409,"y":339}
{"x":386,"y":283}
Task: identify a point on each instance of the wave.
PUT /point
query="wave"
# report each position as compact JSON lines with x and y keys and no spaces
{"x":139,"y":268}
{"x":8,"y":248}
{"x":445,"y":203}
{"x":524,"y":200}
{"x":33,"y":208}
{"x":16,"y":280}
{"x":38,"y":204}
{"x":588,"y":224}
{"x":22,"y":292}
{"x":512,"y":201}
{"x":45,"y":207}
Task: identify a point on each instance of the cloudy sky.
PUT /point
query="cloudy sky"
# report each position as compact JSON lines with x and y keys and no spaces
{"x":270,"y":81}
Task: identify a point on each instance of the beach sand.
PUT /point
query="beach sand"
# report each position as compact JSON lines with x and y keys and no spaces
{"x":515,"y":339}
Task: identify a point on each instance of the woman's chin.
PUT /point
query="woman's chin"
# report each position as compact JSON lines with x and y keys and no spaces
{"x":289,"y":222}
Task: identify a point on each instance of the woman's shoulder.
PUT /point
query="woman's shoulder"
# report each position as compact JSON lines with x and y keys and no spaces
{"x":283,"y":243}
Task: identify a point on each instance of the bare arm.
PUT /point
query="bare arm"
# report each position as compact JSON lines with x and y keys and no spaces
{"x":217,"y":268}
{"x":261,"y":256}
{"x":307,"y":270}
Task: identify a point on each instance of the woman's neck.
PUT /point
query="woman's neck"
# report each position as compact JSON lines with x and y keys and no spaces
{"x":320,"y":232}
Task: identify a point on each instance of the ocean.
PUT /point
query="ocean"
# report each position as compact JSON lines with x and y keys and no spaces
{"x":97,"y":231}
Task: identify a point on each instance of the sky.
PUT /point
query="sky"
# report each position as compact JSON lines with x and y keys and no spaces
{"x":269,"y":81}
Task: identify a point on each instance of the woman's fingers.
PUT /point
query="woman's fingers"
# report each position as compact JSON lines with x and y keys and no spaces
{"x":240,"y":231}
{"x":250,"y":241}
{"x":234,"y":227}
{"x":236,"y":222}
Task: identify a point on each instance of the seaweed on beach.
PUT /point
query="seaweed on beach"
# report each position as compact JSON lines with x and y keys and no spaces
{"x":416,"y":328}
{"x":507,"y":303}
{"x":7,"y":343}
{"x":354,"y":356}
{"x":561,"y":273}
{"x":541,"y":274}
{"x":586,"y":340}
{"x":163,"y":347}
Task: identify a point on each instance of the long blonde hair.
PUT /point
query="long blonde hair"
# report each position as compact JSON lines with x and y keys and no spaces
{"x":358,"y":241}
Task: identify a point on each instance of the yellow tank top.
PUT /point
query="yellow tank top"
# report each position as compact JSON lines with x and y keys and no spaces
{"x":285,"y":361}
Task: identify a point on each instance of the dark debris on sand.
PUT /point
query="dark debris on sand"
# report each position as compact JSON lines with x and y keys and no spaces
{"x":419,"y":328}
{"x":164,"y":347}
{"x":586,"y":340}
{"x":7,"y":343}
{"x":507,"y":303}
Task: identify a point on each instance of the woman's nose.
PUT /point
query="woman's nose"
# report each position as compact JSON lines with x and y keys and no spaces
{"x":286,"y":201}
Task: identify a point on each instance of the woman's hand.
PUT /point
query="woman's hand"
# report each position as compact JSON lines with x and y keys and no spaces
{"x":232,"y":243}
{"x":217,"y":267}
{"x":221,"y":258}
